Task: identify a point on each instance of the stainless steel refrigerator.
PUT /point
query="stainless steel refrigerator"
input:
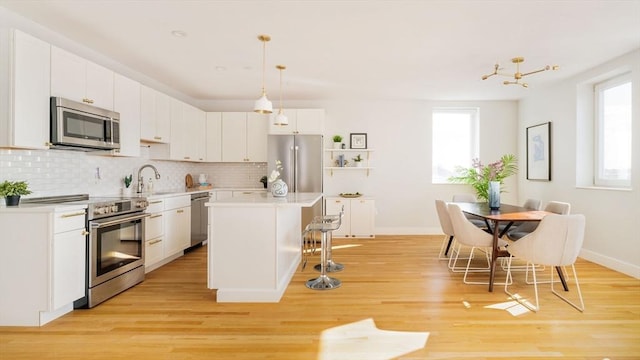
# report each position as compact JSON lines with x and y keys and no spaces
{"x":301,"y":157}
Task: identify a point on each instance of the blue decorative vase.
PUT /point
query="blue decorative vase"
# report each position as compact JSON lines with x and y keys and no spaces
{"x":494,"y":195}
{"x":279,"y":188}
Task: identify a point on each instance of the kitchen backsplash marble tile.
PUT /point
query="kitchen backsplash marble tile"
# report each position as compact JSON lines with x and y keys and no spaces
{"x":61,"y":172}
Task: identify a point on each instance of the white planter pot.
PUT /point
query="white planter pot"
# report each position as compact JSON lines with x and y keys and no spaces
{"x":337,"y":145}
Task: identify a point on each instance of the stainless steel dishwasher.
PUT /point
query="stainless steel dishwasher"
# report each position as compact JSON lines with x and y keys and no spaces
{"x":199,"y":218}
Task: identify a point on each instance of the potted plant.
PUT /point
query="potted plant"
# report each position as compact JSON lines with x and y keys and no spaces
{"x":127,"y":185}
{"x":12,"y":190}
{"x":337,"y":142}
{"x":481,"y":177}
{"x":358,"y":161}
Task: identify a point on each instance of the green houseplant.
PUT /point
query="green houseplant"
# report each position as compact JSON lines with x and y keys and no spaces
{"x":12,"y":190}
{"x":337,"y":141}
{"x":358,"y":160}
{"x":479,"y":176}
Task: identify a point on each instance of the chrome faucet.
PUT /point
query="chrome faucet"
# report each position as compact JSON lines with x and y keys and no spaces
{"x":140,"y":180}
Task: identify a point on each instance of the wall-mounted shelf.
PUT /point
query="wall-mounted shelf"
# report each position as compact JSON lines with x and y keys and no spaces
{"x":365,"y":152}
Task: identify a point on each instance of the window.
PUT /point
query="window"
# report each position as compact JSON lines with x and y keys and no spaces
{"x":613,"y":132}
{"x":455,"y":141}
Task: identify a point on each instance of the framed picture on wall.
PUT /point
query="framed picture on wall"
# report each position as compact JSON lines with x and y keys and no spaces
{"x":358,"y":141}
{"x":539,"y":152}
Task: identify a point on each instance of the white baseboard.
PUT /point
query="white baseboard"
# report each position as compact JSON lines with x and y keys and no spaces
{"x":611,"y":263}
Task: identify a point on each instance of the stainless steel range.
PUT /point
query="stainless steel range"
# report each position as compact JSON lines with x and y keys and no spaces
{"x":115,"y":244}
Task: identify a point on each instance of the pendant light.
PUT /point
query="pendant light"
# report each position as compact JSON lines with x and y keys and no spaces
{"x":281,"y":118}
{"x":263,"y":105}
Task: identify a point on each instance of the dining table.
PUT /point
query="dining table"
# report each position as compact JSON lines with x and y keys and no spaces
{"x":506,"y":215}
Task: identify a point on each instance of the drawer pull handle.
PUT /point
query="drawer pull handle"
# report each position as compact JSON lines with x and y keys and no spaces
{"x":156,"y":202}
{"x":73,"y":214}
{"x":155,"y":216}
{"x":180,"y":211}
{"x":85,"y":232}
{"x":153,"y":242}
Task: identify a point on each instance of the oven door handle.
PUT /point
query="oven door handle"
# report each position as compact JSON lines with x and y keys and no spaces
{"x":96,"y":225}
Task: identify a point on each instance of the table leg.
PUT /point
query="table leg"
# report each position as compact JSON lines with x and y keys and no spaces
{"x":494,"y":255}
{"x":562,"y":279}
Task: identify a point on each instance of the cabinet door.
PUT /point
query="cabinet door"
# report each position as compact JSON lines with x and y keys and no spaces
{"x":200,"y":134}
{"x":333,"y":206}
{"x":68,"y":75}
{"x":362,"y":217}
{"x":99,"y":85}
{"x":234,"y":136}
{"x":214,"y":136}
{"x":68,"y":267}
{"x":147,"y":113}
{"x":257,"y":127}
{"x":126,"y":101}
{"x":31,"y":91}
{"x":179,"y":131}
{"x":177,"y":230}
{"x":163,"y":117}
{"x":310,"y":121}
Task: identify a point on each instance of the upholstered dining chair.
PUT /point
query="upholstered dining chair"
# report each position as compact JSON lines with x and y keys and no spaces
{"x":470,"y":235}
{"x":471,"y":199}
{"x":555,"y":242}
{"x":527,"y":227}
{"x":447,"y":229}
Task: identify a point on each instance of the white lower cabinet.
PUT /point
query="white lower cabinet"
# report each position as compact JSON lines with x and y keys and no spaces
{"x":48,"y":248}
{"x":167,"y":230}
{"x":359,"y":216}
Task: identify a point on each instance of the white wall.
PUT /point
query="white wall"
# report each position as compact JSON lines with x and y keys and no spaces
{"x":612,"y":237}
{"x":400,"y":134}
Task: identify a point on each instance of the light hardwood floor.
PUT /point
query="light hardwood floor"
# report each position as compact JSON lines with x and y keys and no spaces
{"x":395,"y":280}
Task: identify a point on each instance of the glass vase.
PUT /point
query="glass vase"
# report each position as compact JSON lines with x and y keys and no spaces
{"x":494,"y":195}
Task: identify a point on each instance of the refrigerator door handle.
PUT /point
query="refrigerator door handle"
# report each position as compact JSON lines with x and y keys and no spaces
{"x":295,"y":171}
{"x":292,"y":165}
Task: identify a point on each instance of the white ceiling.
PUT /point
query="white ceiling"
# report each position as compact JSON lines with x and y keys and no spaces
{"x":366,"y":49}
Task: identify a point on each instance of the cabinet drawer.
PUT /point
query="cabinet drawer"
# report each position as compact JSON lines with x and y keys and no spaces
{"x":69,"y":220}
{"x":177,"y":202}
{"x":153,"y":251}
{"x":154,"y":226}
{"x":155,"y":206}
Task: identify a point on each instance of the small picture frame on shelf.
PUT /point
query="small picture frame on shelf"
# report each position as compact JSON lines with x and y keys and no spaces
{"x":358,"y":141}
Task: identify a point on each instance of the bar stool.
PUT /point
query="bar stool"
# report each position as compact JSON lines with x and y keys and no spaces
{"x":331,"y":265}
{"x":324,"y":224}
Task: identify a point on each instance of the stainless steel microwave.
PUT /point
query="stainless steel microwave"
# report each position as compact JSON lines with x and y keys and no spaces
{"x":80,"y":126}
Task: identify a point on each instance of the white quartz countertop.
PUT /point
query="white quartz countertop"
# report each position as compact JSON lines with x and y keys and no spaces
{"x":266,"y":199}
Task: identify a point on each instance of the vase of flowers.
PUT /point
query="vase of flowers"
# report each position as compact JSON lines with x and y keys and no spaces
{"x":481,"y":176}
{"x":278,"y":187}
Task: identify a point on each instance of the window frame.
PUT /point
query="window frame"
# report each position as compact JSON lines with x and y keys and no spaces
{"x":474,"y":130}
{"x":599,"y":122}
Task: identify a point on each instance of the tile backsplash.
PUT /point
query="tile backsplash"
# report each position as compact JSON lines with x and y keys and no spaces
{"x":63,"y":172}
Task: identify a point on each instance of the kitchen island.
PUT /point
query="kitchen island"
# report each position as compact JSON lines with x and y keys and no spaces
{"x":254,"y":245}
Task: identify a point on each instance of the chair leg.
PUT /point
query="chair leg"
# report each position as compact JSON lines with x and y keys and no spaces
{"x":522,"y":301}
{"x":575,"y":276}
{"x":471,"y":270}
{"x":446,"y":246}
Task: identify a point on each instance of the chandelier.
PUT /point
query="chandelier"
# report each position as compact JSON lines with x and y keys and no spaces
{"x":281,"y":118}
{"x":517,"y":76}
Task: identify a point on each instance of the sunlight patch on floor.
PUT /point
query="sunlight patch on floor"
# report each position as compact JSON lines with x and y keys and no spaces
{"x":363,"y":340}
{"x":513,"y":307}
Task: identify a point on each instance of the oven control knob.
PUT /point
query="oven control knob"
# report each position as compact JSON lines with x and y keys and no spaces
{"x":99,"y":211}
{"x":114,"y":208}
{"x":107,"y":209}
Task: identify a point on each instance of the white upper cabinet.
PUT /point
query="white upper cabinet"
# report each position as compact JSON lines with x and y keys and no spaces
{"x":155,"y":116}
{"x":244,"y":137}
{"x":214,"y":136}
{"x":187,"y":132}
{"x":77,"y":79}
{"x":126,"y":100}
{"x":25,"y":119}
{"x":301,"y":121}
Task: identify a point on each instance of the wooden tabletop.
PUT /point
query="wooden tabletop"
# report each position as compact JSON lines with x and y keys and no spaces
{"x":506,"y":212}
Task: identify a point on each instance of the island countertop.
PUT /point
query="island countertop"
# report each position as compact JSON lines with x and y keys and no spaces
{"x":297,"y":199}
